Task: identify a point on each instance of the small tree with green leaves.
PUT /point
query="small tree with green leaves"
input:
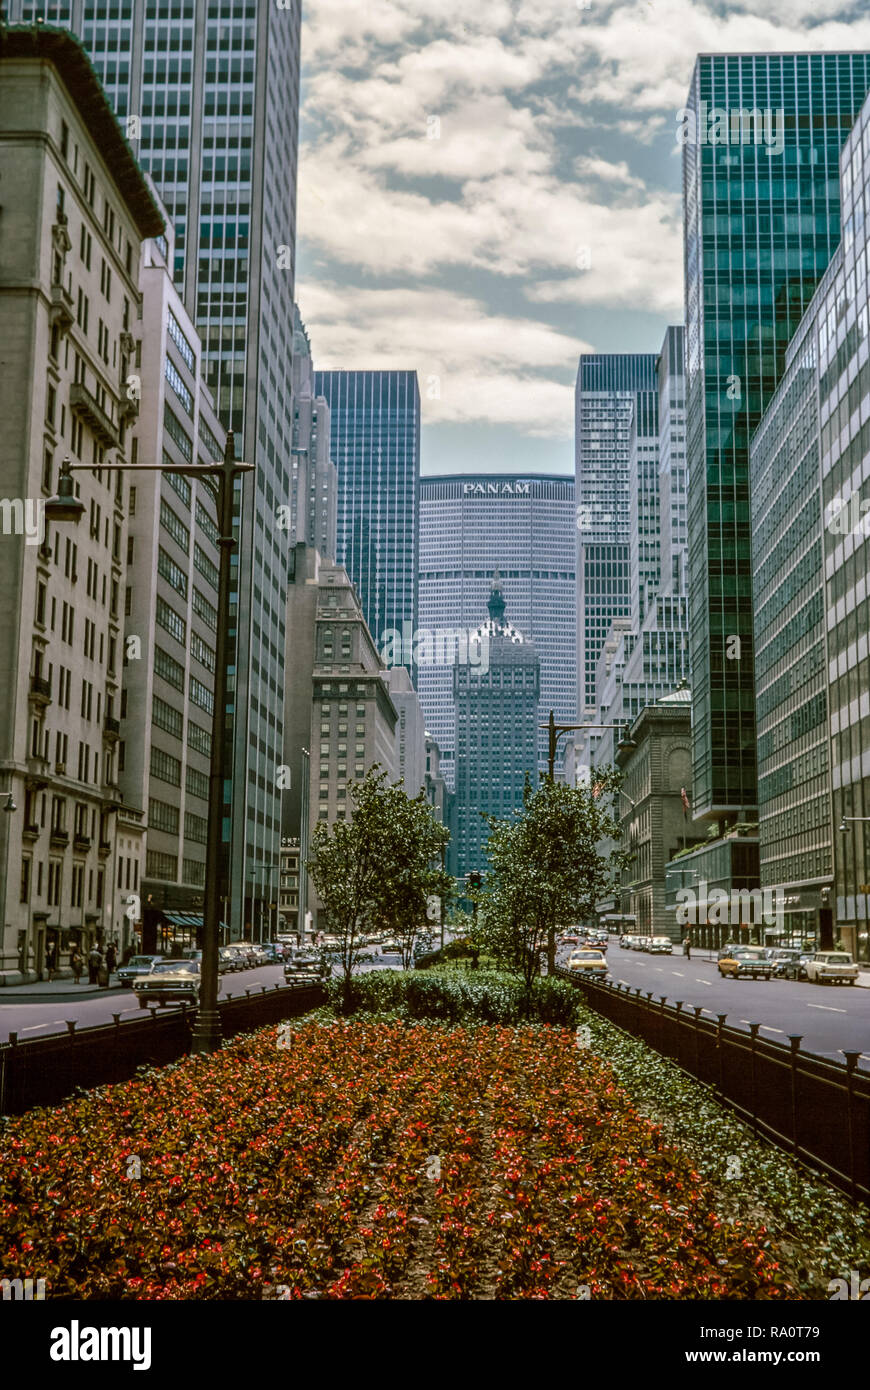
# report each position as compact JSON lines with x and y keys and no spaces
{"x":546,"y":868}
{"x":375,"y":867}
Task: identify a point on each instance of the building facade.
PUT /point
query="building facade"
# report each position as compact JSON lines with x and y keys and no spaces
{"x":762,"y":220}
{"x":171,"y":604}
{"x":409,"y":761}
{"x":524,"y":526}
{"x":496,"y":734}
{"x":604,"y":402}
{"x":314,"y":481}
{"x":375,"y":430}
{"x":339,"y":718}
{"x":810,"y":462}
{"x":75,"y":211}
{"x":208,"y":96}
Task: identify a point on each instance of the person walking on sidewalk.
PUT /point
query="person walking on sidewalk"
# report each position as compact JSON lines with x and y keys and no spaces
{"x":687,"y":946}
{"x":111,"y":958}
{"x":95,"y":960}
{"x":77,"y":965}
{"x":51,"y":961}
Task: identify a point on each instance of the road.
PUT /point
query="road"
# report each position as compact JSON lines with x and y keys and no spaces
{"x":38,"y":1015}
{"x":828,"y":1017}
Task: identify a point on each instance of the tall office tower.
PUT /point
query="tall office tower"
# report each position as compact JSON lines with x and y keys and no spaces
{"x":762,"y":220}
{"x":671,"y":373}
{"x":75,"y":211}
{"x":338,"y":710}
{"x":215,"y":92}
{"x":375,"y":427}
{"x":644,"y":552}
{"x":171,"y":604}
{"x":604,"y":402}
{"x":314,"y":479}
{"x":496,"y":733}
{"x":810,"y":470}
{"x":470,"y":525}
{"x":410,"y":757}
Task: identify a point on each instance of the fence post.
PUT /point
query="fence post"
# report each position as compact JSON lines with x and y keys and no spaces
{"x":794,"y":1040}
{"x":699,"y":1009}
{"x":753,"y":1035}
{"x":721,"y":1086}
{"x":851,"y":1064}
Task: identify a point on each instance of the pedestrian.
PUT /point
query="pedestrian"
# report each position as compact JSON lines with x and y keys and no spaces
{"x":129,"y":953}
{"x":111,"y":958}
{"x":77,"y":963}
{"x":95,"y":960}
{"x":51,"y":961}
{"x":687,"y":946}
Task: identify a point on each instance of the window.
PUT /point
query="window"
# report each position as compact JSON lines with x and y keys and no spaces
{"x":195,"y":828}
{"x":206,"y":524}
{"x":174,"y":377}
{"x":168,"y":668}
{"x":201,"y":651}
{"x":159,"y":865}
{"x":174,"y":525}
{"x":165,"y":768}
{"x":204,"y":609}
{"x":200,"y":695}
{"x":198,"y":739}
{"x":205,"y":565}
{"x":64,"y":149}
{"x":171,"y":572}
{"x":178,"y":433}
{"x":197,"y":783}
{"x":162,"y":816}
{"x":176,"y":334}
{"x":193,"y":871}
{"x":163,"y":716}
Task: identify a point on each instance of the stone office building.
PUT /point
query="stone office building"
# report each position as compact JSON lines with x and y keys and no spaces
{"x":76,"y":209}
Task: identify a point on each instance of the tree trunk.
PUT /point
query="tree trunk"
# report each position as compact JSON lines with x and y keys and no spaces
{"x":551,"y":950}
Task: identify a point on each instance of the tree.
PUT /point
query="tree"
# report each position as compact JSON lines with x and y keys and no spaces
{"x":546,"y":868}
{"x":375,"y":867}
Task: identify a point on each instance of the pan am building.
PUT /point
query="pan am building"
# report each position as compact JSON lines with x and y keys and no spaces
{"x":523,"y":526}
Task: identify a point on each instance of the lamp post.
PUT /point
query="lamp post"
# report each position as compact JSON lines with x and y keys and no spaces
{"x":846,"y":829}
{"x":9,"y":809}
{"x":221,"y":475}
{"x":556,"y":731}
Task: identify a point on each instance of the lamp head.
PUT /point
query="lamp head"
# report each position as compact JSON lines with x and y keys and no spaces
{"x":64,"y":506}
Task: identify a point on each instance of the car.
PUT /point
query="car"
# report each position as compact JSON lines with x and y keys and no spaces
{"x":661,"y":946}
{"x":746,"y":962}
{"x":625,"y":941}
{"x":192,"y":953}
{"x":640,"y":943}
{"x":831,"y":968}
{"x":226,"y":960}
{"x":571,"y":939}
{"x":136,"y":967}
{"x":261,"y":954}
{"x":391,"y":947}
{"x":586,"y":961}
{"x":305,"y":965}
{"x":169,"y":979}
{"x":779,"y":957}
{"x":240,"y":952}
{"x":796,"y":967}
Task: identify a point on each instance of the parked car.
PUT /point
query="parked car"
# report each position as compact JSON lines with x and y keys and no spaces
{"x":640,"y":943}
{"x":588,"y":962}
{"x":625,"y":941}
{"x":779,"y":957}
{"x":831,"y":968}
{"x":226,"y":960}
{"x":746,"y":962}
{"x":136,"y":967}
{"x":169,"y":979}
{"x":192,"y":953}
{"x":243,"y":959}
{"x":661,"y":946}
{"x":305,"y":965}
{"x":796,"y":967}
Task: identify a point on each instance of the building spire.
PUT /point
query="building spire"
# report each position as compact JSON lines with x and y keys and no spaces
{"x":496,"y":603}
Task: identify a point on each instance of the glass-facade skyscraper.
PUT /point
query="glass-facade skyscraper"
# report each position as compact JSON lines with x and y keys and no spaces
{"x":604,"y":401}
{"x":375,"y":445}
{"x":762,"y":220}
{"x":208,"y":96}
{"x":472,"y":524}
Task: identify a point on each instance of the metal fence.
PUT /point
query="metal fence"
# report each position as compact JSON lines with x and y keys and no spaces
{"x":814,"y":1108}
{"x":45,"y":1071}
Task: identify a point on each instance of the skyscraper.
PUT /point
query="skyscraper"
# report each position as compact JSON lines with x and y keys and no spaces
{"x":604,"y":402}
{"x":496,"y":733}
{"x":375,"y":428}
{"x":470,"y":525}
{"x":314,"y":479}
{"x":763,"y":134}
{"x":208,"y":96}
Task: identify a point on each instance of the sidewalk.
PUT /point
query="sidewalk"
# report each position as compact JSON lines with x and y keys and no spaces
{"x":67,"y":988}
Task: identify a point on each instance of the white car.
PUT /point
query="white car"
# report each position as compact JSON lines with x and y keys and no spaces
{"x":660,"y":946}
{"x":831,"y":967}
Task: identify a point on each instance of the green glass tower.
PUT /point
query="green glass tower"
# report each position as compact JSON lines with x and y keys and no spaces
{"x":761,"y":139}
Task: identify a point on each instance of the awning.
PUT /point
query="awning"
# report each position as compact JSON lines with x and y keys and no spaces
{"x":187,"y":919}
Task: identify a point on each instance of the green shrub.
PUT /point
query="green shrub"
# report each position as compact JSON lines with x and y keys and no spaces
{"x":451,"y":997}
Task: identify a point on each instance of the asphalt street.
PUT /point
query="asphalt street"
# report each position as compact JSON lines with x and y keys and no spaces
{"x":827,"y":1017}
{"x":36,"y":1015}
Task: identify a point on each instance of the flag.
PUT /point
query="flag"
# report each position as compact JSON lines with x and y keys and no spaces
{"x":686,"y":807}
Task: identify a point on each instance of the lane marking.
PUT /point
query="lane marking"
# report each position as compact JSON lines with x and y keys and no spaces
{"x":677,"y":972}
{"x":767,"y":1028}
{"x":828,"y":1008}
{"x":708,"y":983}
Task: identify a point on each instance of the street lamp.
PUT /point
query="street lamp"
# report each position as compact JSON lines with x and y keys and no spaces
{"x":221,"y":475}
{"x":556,"y":731}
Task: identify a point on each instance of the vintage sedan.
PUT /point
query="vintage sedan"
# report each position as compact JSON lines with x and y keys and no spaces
{"x":831,"y":968}
{"x":588,"y":962}
{"x":168,"y":980}
{"x":660,"y":946}
{"x":745,"y":963}
{"x":136,"y":967}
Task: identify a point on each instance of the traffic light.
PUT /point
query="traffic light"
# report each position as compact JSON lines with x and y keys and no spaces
{"x":475,"y":881}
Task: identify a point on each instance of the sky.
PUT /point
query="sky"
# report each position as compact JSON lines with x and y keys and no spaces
{"x":488,"y":188}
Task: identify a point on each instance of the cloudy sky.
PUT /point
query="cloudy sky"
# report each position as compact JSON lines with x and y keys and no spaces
{"x":488,"y":188}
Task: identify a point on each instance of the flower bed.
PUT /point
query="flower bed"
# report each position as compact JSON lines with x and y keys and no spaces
{"x":369,"y":1160}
